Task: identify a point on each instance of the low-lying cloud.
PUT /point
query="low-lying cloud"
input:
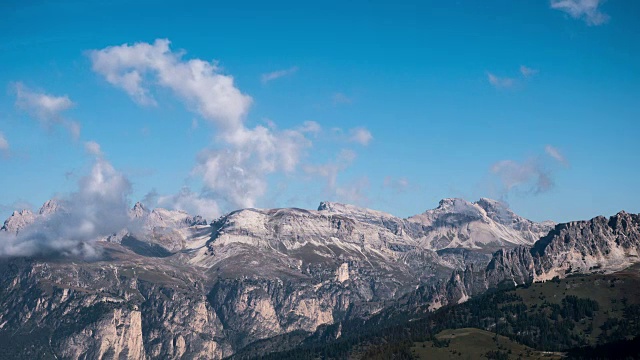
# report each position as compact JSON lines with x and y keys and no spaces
{"x":98,"y":208}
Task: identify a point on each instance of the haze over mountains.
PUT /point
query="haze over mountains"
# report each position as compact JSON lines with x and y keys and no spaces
{"x":172,"y":285}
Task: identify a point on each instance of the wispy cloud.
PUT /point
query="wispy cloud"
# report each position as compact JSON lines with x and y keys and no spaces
{"x":398,"y":185}
{"x":587,"y":10}
{"x":360,"y":135}
{"x":265,"y":78}
{"x":354,"y":192}
{"x":533,"y":175}
{"x":500,"y":82}
{"x":330,"y":170}
{"x":46,"y":108}
{"x":527,"y":71}
{"x":93,"y":148}
{"x":556,"y":154}
{"x":528,"y":175}
{"x":340,"y":98}
{"x":311,"y":127}
{"x":4,"y":144}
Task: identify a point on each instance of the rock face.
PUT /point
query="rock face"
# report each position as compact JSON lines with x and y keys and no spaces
{"x":173,"y":286}
{"x":579,"y":247}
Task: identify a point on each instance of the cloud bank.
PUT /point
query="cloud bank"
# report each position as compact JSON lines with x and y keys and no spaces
{"x":97,"y":209}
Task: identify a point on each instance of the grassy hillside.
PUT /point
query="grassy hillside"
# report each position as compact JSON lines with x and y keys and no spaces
{"x":470,"y":343}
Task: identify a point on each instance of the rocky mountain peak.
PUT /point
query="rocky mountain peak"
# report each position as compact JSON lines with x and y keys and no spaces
{"x":18,"y":220}
{"x":50,"y":207}
{"x":139,"y":210}
{"x":451,"y":204}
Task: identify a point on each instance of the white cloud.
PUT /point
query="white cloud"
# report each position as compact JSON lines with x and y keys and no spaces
{"x":587,"y":10}
{"x":236,"y":168}
{"x":527,"y":71}
{"x":360,"y":135}
{"x":93,"y":148}
{"x":500,"y":82}
{"x":238,"y":173}
{"x":199,"y":83}
{"x":192,"y":203}
{"x":4,"y":144}
{"x":556,"y":154}
{"x":46,"y":108}
{"x":265,"y":78}
{"x":97,"y":209}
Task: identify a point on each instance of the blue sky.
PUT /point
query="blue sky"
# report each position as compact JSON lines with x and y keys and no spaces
{"x":389,"y":105}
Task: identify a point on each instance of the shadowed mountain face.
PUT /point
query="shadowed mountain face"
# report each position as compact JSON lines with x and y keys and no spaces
{"x":170,"y":285}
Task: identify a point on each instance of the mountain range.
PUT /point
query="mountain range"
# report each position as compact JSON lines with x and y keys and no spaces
{"x":174,"y":285}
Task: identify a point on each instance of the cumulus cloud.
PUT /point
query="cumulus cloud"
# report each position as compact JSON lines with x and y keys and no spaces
{"x":46,"y":108}
{"x":527,"y":71}
{"x":236,"y":167}
{"x":556,"y":154}
{"x":199,"y":83}
{"x":360,"y":135}
{"x":586,"y":10}
{"x":97,"y":209}
{"x":4,"y":144}
{"x":238,"y":173}
{"x":265,"y":78}
{"x":500,"y":82}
